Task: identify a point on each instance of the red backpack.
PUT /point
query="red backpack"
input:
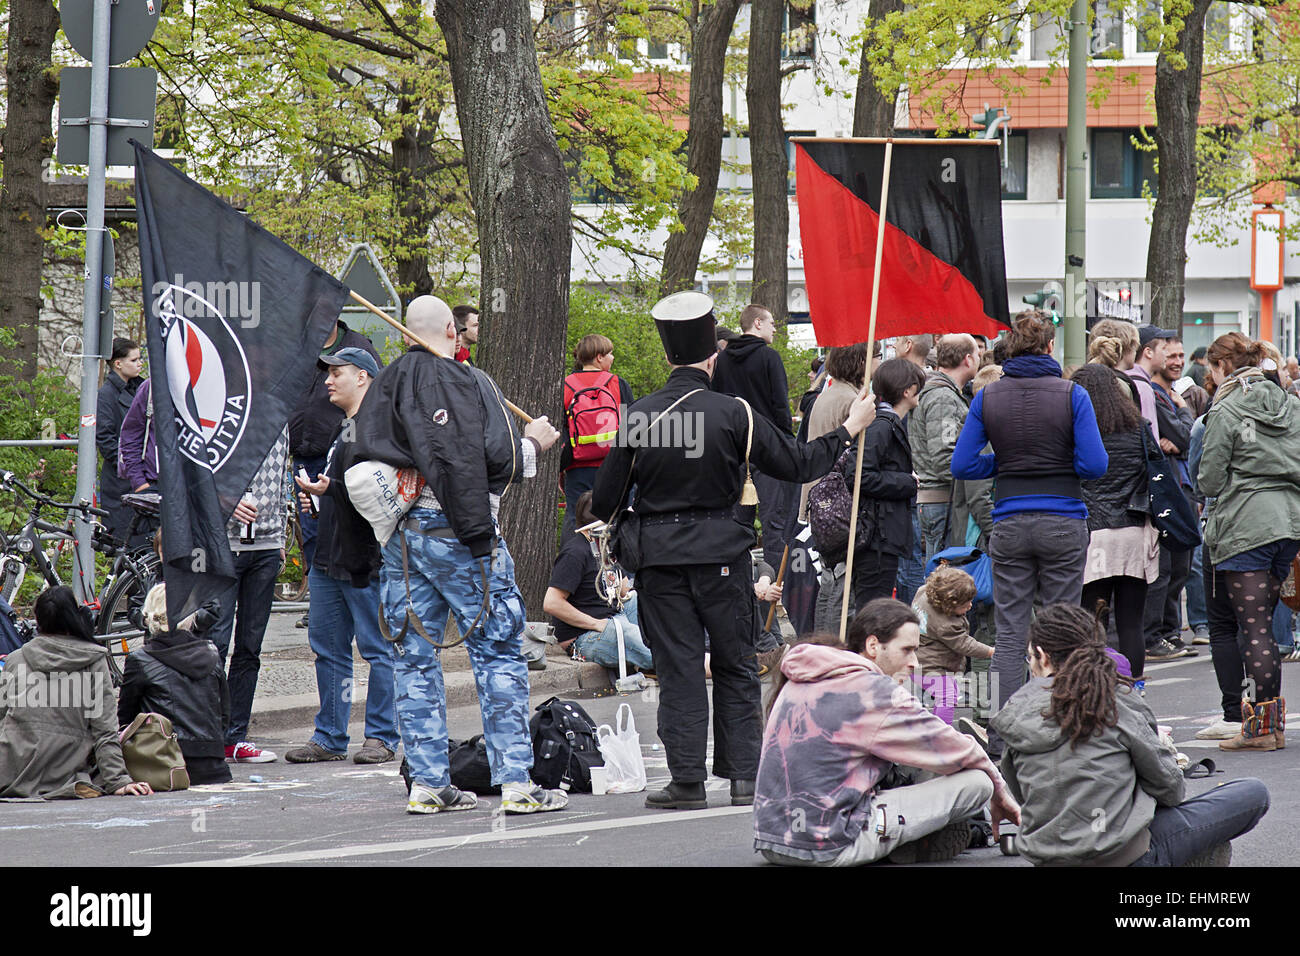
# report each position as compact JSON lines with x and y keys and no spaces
{"x":591,"y":410}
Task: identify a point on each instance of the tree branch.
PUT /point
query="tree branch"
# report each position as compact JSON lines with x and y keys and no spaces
{"x":397,"y":30}
{"x":316,"y":26}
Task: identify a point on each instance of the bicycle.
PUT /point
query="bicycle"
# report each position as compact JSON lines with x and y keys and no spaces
{"x":133,"y":572}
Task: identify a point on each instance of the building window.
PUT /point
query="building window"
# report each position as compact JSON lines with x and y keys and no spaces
{"x":1045,"y":37}
{"x":658,"y":50}
{"x":789,"y":155}
{"x":800,"y":31}
{"x":1107,"y":39}
{"x":1148,"y":27}
{"x":1119,"y":169}
{"x":1015,"y":167}
{"x":1218,"y":27}
{"x":560,"y":22}
{"x":1202,"y":328}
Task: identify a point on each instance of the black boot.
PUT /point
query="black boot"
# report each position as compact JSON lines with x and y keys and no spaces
{"x":679,"y":796}
{"x":742,"y":793}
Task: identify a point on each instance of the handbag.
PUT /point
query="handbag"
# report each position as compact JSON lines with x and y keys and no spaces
{"x":1172,"y":514}
{"x":382,"y":494}
{"x":153,"y":754}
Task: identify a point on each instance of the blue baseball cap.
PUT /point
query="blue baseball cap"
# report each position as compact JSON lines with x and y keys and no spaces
{"x":353,"y":356}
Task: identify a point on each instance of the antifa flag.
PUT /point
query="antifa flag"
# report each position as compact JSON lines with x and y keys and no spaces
{"x":235,"y":319}
{"x":942,"y":269}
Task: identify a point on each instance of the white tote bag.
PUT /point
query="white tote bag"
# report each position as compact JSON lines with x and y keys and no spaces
{"x":382,"y":494}
{"x":622,"y":752}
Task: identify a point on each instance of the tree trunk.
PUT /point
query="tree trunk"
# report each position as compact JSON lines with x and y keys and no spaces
{"x":412,"y":158}
{"x":520,"y":193}
{"x":27,"y":144}
{"x":768,"y":157}
{"x":709,"y":35}
{"x":1178,"y":103}
{"x":873,"y":109}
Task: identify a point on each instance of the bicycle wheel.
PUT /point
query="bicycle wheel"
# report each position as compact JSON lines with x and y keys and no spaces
{"x":291,"y":585}
{"x":123,"y":600}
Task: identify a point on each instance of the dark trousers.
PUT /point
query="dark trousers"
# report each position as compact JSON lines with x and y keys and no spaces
{"x":1033,"y":554}
{"x":1125,"y":598}
{"x":245,"y":609}
{"x":1181,"y":833}
{"x":1163,"y":617}
{"x":676,"y":606}
{"x":874,"y":576}
{"x":1225,"y":642}
{"x":576,"y":481}
{"x":314,"y":466}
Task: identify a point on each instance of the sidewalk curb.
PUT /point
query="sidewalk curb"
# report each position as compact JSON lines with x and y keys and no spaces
{"x":298,"y":711}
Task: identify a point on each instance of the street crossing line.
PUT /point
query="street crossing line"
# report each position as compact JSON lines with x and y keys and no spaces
{"x":511,"y":833}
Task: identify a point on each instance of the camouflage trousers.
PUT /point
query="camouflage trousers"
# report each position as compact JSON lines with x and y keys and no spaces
{"x":444,"y":576}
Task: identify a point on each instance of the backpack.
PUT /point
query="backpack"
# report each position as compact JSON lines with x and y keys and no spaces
{"x":564,"y":746}
{"x":11,"y":637}
{"x":148,"y":427}
{"x":971,"y":560}
{"x":591,"y":411}
{"x":829,"y":503}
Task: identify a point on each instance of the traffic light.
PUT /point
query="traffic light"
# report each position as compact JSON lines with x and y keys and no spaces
{"x":1040,"y":299}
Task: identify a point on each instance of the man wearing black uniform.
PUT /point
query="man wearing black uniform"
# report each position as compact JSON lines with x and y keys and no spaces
{"x":684,"y":448}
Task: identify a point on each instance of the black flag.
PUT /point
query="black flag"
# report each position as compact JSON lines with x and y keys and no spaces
{"x":235,"y":320}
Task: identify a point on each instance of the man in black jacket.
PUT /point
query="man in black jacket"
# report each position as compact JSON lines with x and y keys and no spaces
{"x":448,"y":422}
{"x":345,"y":593}
{"x":751,"y":369}
{"x":313,"y":425}
{"x":114,"y":400}
{"x":683,"y":448}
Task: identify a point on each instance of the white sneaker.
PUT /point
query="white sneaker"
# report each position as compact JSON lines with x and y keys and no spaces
{"x":424,"y":799}
{"x":1219,"y":730}
{"x":531,"y":798}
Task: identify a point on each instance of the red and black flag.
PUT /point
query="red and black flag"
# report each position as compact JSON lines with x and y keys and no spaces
{"x":235,"y":319}
{"x":942,"y":268}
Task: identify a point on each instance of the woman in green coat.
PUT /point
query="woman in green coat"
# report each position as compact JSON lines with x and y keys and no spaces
{"x":1252,"y":444}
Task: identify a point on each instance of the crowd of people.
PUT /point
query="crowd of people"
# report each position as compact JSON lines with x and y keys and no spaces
{"x":1039,"y":525}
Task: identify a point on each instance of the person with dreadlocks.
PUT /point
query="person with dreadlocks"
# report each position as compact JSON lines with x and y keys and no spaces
{"x":1095,"y":784}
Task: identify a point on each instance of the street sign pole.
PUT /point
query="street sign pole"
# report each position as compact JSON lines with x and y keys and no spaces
{"x":1076,"y":186}
{"x":83,"y":583}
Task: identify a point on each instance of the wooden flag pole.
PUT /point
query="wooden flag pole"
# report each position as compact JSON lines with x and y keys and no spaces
{"x":419,"y":341}
{"x":780,"y":576}
{"x":871,"y":338}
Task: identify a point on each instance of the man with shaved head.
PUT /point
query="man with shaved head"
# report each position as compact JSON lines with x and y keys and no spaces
{"x":447,"y":423}
{"x":932,"y":431}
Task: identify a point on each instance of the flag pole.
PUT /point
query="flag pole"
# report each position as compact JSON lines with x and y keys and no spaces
{"x":419,"y":341}
{"x":871,"y":338}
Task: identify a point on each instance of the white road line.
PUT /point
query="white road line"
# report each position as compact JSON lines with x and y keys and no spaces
{"x":511,"y":833}
{"x":1167,"y":680}
{"x":1179,"y":662}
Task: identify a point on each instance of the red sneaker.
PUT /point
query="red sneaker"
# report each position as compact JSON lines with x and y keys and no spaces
{"x":244,"y":752}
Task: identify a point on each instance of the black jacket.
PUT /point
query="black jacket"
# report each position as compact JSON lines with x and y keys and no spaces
{"x":448,"y":420}
{"x":181,"y":677}
{"x":888,"y":489}
{"x":689,"y":481}
{"x":114,"y":402}
{"x":751,"y":369}
{"x":346,"y":548}
{"x":315,"y":421}
{"x":1118,"y":499}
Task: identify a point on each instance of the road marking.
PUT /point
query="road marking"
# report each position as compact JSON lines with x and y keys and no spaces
{"x":1167,"y":680}
{"x":1179,"y":662}
{"x":525,"y":833}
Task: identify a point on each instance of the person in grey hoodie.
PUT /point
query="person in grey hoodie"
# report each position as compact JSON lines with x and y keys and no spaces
{"x":58,"y":714}
{"x":1095,"y":784}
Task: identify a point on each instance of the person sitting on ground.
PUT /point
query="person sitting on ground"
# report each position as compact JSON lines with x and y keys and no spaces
{"x":1084,"y":758}
{"x":582,"y":617}
{"x":179,"y":675}
{"x":942,"y":604}
{"x":838,"y":722}
{"x":58,"y":720}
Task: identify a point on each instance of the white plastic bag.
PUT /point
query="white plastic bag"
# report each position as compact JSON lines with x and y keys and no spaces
{"x":382,"y":494}
{"x":622,"y":752}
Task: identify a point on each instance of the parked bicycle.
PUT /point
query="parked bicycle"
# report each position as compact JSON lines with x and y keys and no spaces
{"x":40,"y":544}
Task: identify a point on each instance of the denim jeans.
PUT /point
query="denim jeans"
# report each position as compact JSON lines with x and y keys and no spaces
{"x":936,"y":525}
{"x":1283,"y":622}
{"x":338,"y":612}
{"x":1197,"y":616}
{"x":911,"y":567}
{"x":314,"y":467}
{"x":445,"y":576}
{"x":251,"y":594}
{"x":601,"y":647}
{"x":1180,"y":833}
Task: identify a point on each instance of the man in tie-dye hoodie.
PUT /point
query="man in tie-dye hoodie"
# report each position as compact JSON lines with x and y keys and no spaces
{"x":839,"y":723}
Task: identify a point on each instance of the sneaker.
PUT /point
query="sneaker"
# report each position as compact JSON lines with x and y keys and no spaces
{"x":1220,"y":730}
{"x":311,"y":753}
{"x":964,"y":725}
{"x":372,"y":751}
{"x":943,"y":844}
{"x":244,"y":752}
{"x":302,"y":622}
{"x":1163,"y":650}
{"x":424,"y":799}
{"x":1202,"y":635}
{"x":531,"y":798}
{"x":1290,"y":656}
{"x":1180,"y":645}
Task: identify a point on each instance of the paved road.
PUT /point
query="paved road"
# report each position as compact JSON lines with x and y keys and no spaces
{"x":340,"y":813}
